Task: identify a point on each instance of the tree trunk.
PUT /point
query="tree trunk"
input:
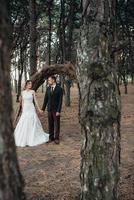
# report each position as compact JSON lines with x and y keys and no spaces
{"x":11,"y":183}
{"x":61,"y":33}
{"x":42,"y":88}
{"x":70,"y":31}
{"x":66,"y":69}
{"x":33,"y":37}
{"x":99,"y":103}
{"x":125,"y":82}
{"x":20,"y":73}
{"x":15,"y":85}
{"x":67,"y":84}
{"x":25,"y":65}
{"x":69,"y":45}
{"x":15,"y":80}
{"x":49,"y":34}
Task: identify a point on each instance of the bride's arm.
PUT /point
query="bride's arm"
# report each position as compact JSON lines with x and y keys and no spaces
{"x":36,"y":102}
{"x":21,"y":100}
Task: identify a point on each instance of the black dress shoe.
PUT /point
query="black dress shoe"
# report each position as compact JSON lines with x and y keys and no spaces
{"x":50,"y":140}
{"x":57,"y":141}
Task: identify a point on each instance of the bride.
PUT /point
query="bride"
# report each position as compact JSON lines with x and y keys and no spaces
{"x":29,"y":131}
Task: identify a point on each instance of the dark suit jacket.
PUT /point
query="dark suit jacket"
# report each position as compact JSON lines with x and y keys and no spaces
{"x":53,"y":101}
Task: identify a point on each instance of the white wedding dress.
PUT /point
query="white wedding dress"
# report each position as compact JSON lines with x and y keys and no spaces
{"x":29,"y":131}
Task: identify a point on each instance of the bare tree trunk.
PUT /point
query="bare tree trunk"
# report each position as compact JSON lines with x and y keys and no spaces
{"x":99,"y":103}
{"x":11,"y":183}
{"x":25,"y":65}
{"x":15,"y":85}
{"x":125,"y":82}
{"x":20,"y":73}
{"x":49,"y":34}
{"x":69,"y":45}
{"x":33,"y":37}
{"x":132,"y":78}
{"x":25,"y":72}
{"x":42,"y":88}
{"x":70,"y":31}
{"x":15,"y":72}
{"x":67,"y":84}
{"x":15,"y":80}
{"x":61,"y":33}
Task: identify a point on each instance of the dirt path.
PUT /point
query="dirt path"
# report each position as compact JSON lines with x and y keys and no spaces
{"x":127,"y":145}
{"x":51,"y":171}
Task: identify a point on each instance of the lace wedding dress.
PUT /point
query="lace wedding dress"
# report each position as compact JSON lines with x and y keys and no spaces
{"x":29,"y":131}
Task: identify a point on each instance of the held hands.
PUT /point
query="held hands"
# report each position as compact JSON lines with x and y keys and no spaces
{"x":41,"y":111}
{"x":57,"y":114}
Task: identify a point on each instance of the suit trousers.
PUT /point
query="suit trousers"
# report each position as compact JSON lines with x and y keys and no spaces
{"x":53,"y":125}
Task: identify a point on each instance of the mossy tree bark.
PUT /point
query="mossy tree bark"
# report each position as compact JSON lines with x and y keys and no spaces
{"x":99,"y":102}
{"x":11,"y":183}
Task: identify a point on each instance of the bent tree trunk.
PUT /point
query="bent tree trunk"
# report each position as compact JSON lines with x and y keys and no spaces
{"x":99,"y":103}
{"x":39,"y":77}
{"x":11,"y":183}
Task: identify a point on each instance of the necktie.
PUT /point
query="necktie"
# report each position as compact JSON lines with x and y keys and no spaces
{"x":52,"y":89}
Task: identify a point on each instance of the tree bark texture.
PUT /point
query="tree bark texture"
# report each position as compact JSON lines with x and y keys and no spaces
{"x":11,"y":182}
{"x":99,"y":102}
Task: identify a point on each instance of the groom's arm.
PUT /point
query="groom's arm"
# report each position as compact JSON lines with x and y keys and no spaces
{"x":60,"y":100}
{"x":45,"y":100}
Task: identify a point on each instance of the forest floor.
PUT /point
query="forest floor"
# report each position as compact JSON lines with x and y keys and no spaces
{"x":51,"y":171}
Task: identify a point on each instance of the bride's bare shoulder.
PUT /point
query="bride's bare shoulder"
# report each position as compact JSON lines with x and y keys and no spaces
{"x":33,"y":91}
{"x":22,"y":91}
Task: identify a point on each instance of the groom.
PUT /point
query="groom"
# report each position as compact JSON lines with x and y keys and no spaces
{"x":53,"y":101}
